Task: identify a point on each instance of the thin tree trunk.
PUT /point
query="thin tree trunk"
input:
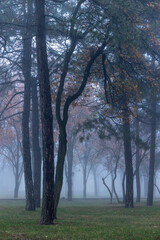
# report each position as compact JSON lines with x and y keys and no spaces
{"x":110,"y":193}
{"x":152,"y":152}
{"x":84,"y":181}
{"x":123,"y":187}
{"x":70,"y":166}
{"x":35,"y":145}
{"x":114,"y":179}
{"x":47,"y":214}
{"x":137,"y":163}
{"x":95,"y":182}
{"x":128,"y":157}
{"x":16,"y":188}
{"x":27,"y":40}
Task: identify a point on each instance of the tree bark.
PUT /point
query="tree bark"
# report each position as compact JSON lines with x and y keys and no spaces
{"x":35,"y":145}
{"x":27,"y":40}
{"x":47,"y":214}
{"x":152,"y":152}
{"x":128,"y":157}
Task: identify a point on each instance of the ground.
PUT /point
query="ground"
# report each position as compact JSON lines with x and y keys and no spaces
{"x":81,"y":220}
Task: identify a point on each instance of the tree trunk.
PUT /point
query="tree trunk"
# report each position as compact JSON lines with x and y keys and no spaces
{"x":123,"y":187}
{"x":62,"y":148}
{"x":128,"y":157}
{"x":114,"y":179}
{"x":145,"y":179}
{"x":35,"y":145}
{"x":95,"y":181}
{"x":137,"y":163}
{"x":110,"y":193}
{"x":47,"y":214}
{"x":84,"y":181}
{"x":70,"y":166}
{"x":27,"y":40}
{"x":16,"y":188}
{"x":152,"y":152}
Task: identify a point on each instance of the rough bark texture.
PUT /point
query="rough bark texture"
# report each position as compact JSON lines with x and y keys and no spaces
{"x":128,"y":158}
{"x":46,"y":116}
{"x":35,"y":145}
{"x":137,"y":163}
{"x":27,"y":40}
{"x":152,"y":153}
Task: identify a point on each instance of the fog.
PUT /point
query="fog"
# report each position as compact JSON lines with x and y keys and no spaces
{"x":7,"y":185}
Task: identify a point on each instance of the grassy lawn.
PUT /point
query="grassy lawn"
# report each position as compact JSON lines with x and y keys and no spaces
{"x":81,"y":220}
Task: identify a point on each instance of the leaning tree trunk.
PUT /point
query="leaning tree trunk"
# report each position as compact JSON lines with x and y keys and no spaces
{"x":62,"y":148}
{"x":27,"y":40}
{"x":128,"y":157}
{"x":114,"y":179}
{"x":137,"y":163}
{"x":152,"y":152}
{"x":47,"y":214}
{"x":62,"y":119}
{"x":35,"y":145}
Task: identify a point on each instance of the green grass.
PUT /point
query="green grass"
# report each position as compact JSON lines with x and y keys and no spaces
{"x":81,"y":220}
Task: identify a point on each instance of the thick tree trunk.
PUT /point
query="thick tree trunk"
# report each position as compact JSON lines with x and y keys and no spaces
{"x":137,"y":163}
{"x":152,"y":152}
{"x":35,"y":145}
{"x":59,"y":168}
{"x":27,"y":40}
{"x":47,"y":214}
{"x":128,"y":157}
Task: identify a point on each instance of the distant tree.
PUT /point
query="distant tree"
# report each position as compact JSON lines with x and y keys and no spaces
{"x":11,"y":151}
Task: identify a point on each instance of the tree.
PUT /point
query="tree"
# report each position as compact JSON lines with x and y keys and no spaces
{"x":11,"y":151}
{"x":27,"y":41}
{"x":35,"y":144}
{"x":47,"y":214}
